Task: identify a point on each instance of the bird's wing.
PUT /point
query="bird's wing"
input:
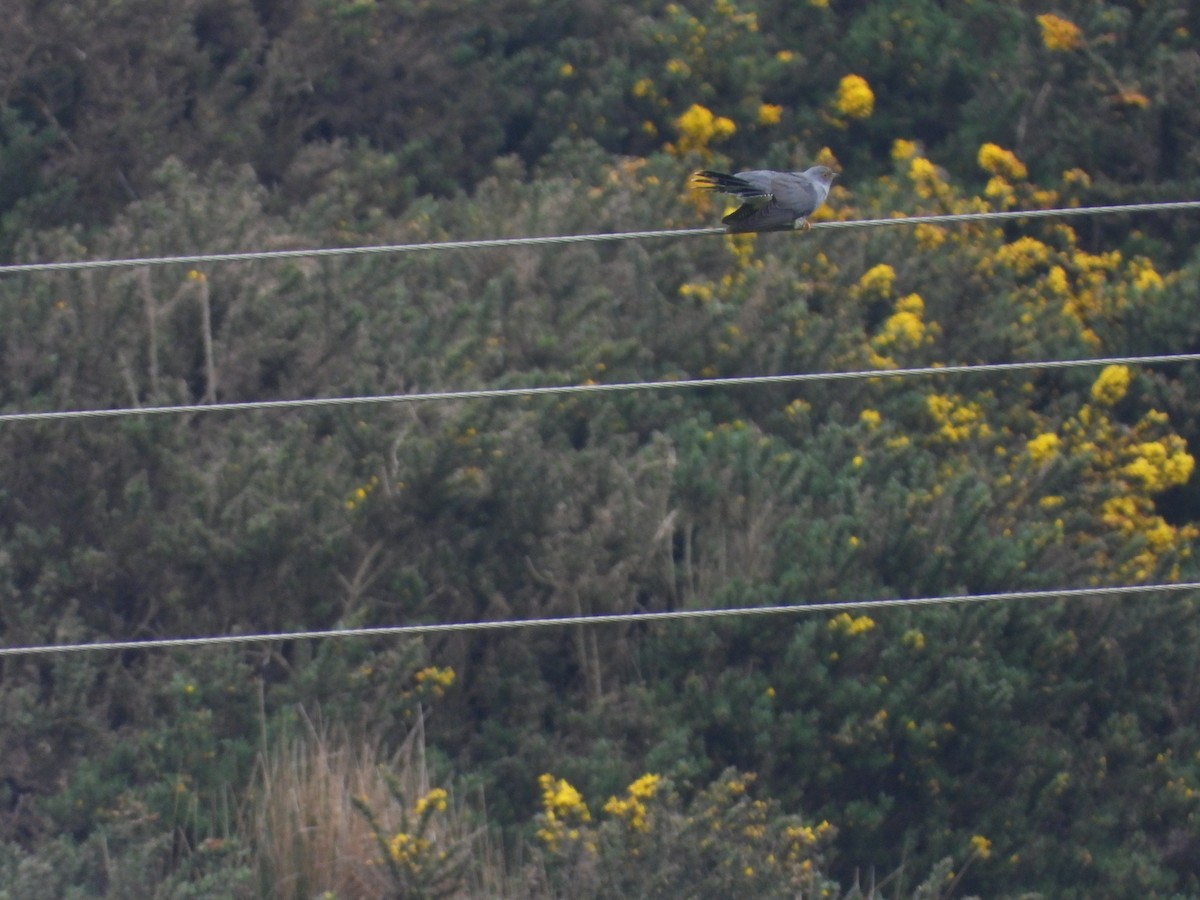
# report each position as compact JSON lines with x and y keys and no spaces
{"x":795,"y":192}
{"x":763,"y":216}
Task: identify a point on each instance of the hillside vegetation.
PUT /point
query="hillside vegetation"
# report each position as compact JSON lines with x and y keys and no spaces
{"x":1024,"y":748}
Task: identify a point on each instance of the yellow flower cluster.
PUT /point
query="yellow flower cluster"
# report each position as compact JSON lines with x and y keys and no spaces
{"x":1130,"y":99}
{"x":914,"y":639}
{"x":844,"y":623}
{"x":435,"y":801}
{"x":1078,"y":177}
{"x":877,"y":281}
{"x":870,"y":418}
{"x":407,"y":849}
{"x":1111,"y":385}
{"x":929,"y":237}
{"x":996,"y":160}
{"x":1130,"y":514}
{"x":1023,"y":255}
{"x":903,"y":150}
{"x":801,"y":837}
{"x":924,"y":176}
{"x":360,"y":493}
{"x":1044,"y":447}
{"x":1144,"y":276}
{"x":905,"y":328}
{"x":855,"y":99}
{"x":702,"y":292}
{"x":769,"y":114}
{"x":561,"y":799}
{"x":563,"y":810}
{"x":956,"y":420}
{"x":1057,"y":282}
{"x":1161,"y":464}
{"x":698,"y":127}
{"x":1090,"y":303}
{"x":1180,"y":786}
{"x":435,"y":679}
{"x":727,"y":9}
{"x":632,"y":808}
{"x":1000,"y":192}
{"x":1135,"y":517}
{"x":1059,"y":34}
{"x":1125,"y":466}
{"x":981,"y":846}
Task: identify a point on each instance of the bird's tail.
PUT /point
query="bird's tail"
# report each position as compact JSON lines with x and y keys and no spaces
{"x":709,"y":180}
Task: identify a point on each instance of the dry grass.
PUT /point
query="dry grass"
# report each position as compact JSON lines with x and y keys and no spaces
{"x":309,"y":837}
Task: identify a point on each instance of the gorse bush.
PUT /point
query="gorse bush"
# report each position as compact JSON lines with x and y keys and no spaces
{"x":1038,"y":746}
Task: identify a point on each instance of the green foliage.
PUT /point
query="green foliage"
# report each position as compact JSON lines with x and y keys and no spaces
{"x":650,"y":842}
{"x":416,"y":868}
{"x":130,"y":856}
{"x":448,"y":87}
{"x":1052,"y":744}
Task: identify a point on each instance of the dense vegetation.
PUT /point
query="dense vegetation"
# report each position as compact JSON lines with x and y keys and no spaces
{"x":1006,"y":749}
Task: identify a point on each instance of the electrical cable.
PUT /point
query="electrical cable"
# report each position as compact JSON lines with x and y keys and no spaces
{"x":611,"y":619}
{"x":592,"y":388}
{"x":508,"y":393}
{"x":202,"y":258}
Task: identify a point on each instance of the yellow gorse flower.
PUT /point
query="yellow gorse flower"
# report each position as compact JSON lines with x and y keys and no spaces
{"x":562,"y":800}
{"x":902,"y":150}
{"x":851,"y":626}
{"x":924,"y":176}
{"x":644,"y":787}
{"x":1023,"y":255}
{"x":855,"y":99}
{"x":905,"y":328}
{"x":632,"y":807}
{"x":698,"y":127}
{"x":1159,"y":465}
{"x":877,"y":280}
{"x":929,"y":237}
{"x":435,"y":679}
{"x":995,"y":159}
{"x":957,"y":420}
{"x":1043,"y":447}
{"x":981,"y":845}
{"x":769,"y":114}
{"x":435,"y":799}
{"x":1059,"y":34}
{"x":1144,"y":276}
{"x":406,"y":849}
{"x":1111,"y":385}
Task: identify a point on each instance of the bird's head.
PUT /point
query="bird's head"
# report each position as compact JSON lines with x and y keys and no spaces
{"x":823,"y":174}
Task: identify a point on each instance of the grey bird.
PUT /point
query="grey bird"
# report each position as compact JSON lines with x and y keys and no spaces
{"x":771,"y":201}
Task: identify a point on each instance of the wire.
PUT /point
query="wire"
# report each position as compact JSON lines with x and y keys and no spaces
{"x":502,"y":393}
{"x":201,"y":258}
{"x":613,"y":619}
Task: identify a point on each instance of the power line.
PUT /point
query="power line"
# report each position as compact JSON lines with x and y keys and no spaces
{"x":509,"y":393}
{"x":613,"y":619}
{"x":201,"y":258}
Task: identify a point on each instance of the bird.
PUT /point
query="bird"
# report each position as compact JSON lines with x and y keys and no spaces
{"x":771,"y":201}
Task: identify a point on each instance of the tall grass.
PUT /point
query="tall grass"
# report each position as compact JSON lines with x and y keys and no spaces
{"x":310,"y":839}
